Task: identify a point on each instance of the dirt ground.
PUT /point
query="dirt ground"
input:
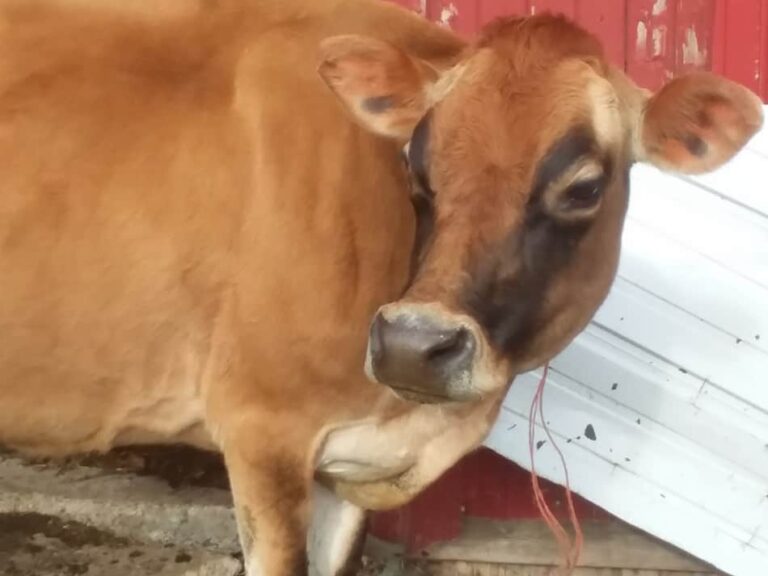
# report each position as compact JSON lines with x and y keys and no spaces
{"x":34,"y":544}
{"x":38,"y":545}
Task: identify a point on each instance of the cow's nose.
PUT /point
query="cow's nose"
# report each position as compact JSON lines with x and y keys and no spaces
{"x":420,"y":359}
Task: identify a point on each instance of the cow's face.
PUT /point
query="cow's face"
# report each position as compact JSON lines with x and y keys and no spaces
{"x":519,"y":155}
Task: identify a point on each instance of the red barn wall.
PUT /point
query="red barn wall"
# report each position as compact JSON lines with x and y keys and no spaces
{"x":653,"y":41}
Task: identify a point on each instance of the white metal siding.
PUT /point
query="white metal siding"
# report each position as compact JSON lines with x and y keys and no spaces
{"x":672,"y":374}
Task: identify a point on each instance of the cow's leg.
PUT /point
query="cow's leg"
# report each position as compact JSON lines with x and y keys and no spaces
{"x":336,"y":535}
{"x":271,"y":491}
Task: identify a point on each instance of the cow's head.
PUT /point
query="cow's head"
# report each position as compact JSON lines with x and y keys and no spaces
{"x":520,"y":155}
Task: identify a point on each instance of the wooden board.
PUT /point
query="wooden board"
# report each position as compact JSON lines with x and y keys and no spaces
{"x":507,"y":547}
{"x":606,"y":545}
{"x":485,"y":569}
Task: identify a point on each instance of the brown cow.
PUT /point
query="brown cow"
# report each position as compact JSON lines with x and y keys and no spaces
{"x":196,"y":235}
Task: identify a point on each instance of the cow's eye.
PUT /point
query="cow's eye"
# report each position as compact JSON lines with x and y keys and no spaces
{"x":577,"y":195}
{"x":420,"y":197}
{"x":404,"y":159}
{"x":582,"y":195}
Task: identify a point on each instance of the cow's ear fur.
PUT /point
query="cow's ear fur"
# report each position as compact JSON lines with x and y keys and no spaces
{"x":696,"y":123}
{"x":386,"y":90}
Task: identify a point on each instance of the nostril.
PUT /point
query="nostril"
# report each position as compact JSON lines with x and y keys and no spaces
{"x":448,"y":345}
{"x":414,"y":352}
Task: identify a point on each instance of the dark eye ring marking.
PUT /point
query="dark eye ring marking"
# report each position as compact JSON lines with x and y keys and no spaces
{"x":422,"y":195}
{"x":418,"y":154}
{"x":577,"y":143}
{"x":581,"y":197}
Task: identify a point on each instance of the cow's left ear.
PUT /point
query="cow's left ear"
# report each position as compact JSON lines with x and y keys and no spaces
{"x":386,"y":90}
{"x":696,"y":123}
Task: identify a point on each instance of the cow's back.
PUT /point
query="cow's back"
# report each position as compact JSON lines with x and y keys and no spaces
{"x":169,"y":189}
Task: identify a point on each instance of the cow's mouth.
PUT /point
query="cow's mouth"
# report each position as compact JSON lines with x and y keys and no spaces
{"x":420,"y":396}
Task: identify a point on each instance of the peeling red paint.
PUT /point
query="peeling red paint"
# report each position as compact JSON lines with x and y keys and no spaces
{"x":459,"y":15}
{"x":447,"y":14}
{"x":693,"y":54}
{"x":651,"y":28}
{"x":695,"y":36}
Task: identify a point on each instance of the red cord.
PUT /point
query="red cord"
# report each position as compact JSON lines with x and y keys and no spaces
{"x":570,"y":549}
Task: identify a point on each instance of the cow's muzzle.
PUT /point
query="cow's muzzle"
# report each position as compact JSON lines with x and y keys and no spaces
{"x":423,"y":356}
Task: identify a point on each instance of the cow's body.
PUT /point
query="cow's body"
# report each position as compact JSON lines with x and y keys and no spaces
{"x":195,"y":235}
{"x":168,"y":206}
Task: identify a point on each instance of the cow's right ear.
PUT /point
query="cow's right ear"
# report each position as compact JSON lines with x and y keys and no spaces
{"x":386,"y":90}
{"x":696,"y":123}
